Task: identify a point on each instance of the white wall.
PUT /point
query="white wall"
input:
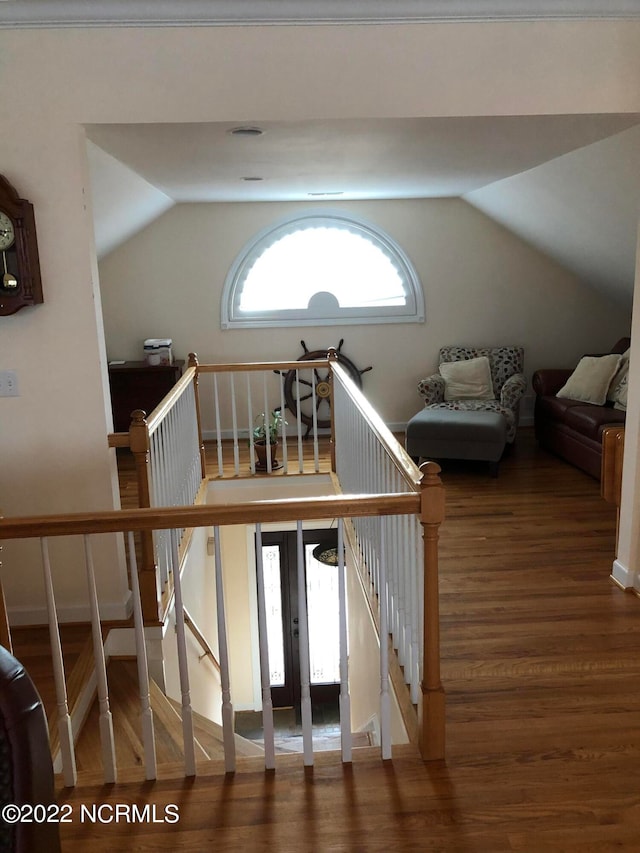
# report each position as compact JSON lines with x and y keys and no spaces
{"x":53,"y":437}
{"x":364,"y":663}
{"x":482,"y":285}
{"x":626,"y":567}
{"x":199,"y":597}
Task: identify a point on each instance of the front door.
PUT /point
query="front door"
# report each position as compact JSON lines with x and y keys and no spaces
{"x":279,"y":559}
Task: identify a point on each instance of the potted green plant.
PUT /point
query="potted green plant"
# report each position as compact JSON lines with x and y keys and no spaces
{"x":265,"y":434}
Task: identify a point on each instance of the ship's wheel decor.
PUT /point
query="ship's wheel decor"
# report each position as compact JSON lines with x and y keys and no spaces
{"x":299,"y":396}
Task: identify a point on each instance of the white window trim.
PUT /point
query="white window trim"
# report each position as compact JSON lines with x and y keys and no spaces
{"x":412,"y":312}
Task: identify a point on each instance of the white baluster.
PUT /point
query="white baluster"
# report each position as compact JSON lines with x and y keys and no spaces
{"x":65,"y":733}
{"x":146,"y":712}
{"x":283,"y":408}
{"x":385,"y":699}
{"x":345,"y":698}
{"x":227,"y":707}
{"x":419,"y":550}
{"x":234,"y":421}
{"x":305,"y":676}
{"x":105,"y":720}
{"x":156,"y":455}
{"x":265,"y":672}
{"x":299,"y":425}
{"x":314,"y":422}
{"x":183,"y":668}
{"x":267,"y":420}
{"x":252,"y":459}
{"x":405,"y":572}
{"x":216,"y":405}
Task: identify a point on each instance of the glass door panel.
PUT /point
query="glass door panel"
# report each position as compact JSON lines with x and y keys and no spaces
{"x":323,"y":616}
{"x":279,"y":559}
{"x":273,"y":605}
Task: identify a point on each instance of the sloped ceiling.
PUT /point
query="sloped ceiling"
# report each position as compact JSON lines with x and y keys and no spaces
{"x":123,"y":202}
{"x":581,"y":209}
{"x":569,"y":185}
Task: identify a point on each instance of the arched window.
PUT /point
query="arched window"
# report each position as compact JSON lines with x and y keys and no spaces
{"x":321,"y":269}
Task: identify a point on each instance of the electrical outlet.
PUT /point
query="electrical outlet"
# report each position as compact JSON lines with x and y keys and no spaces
{"x":9,"y":383}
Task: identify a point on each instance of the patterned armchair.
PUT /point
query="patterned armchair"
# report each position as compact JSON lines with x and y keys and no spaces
{"x":509,"y":384}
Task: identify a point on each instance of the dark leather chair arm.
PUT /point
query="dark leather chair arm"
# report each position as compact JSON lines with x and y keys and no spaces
{"x":547,"y":382}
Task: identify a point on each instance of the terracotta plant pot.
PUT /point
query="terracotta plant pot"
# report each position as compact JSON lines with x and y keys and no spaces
{"x":261,"y":453}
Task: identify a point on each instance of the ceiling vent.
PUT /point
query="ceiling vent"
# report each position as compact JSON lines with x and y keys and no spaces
{"x":246,"y":131}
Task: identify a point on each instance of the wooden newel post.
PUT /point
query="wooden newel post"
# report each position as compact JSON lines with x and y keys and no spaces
{"x":147,"y":571}
{"x":431,"y":713}
{"x":332,"y":355}
{"x":193,"y":362}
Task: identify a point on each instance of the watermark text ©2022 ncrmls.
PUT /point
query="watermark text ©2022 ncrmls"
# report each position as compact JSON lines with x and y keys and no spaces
{"x":90,"y":813}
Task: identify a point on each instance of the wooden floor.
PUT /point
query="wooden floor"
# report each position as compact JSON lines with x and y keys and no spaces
{"x":542,"y":674}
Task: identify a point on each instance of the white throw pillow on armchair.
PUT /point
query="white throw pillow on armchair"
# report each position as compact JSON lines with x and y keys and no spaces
{"x":469,"y":379}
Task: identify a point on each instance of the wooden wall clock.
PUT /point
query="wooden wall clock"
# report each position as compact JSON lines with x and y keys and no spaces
{"x":20,"y":281}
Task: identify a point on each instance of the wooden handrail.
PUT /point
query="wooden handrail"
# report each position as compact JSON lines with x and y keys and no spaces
{"x":121,"y":439}
{"x":401,"y":459}
{"x":170,"y":399}
{"x":250,"y":512}
{"x":246,"y":367}
{"x":118,"y":439}
{"x":202,"y":640}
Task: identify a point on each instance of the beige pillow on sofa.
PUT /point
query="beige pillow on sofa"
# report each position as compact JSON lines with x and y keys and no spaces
{"x":470,"y":379}
{"x":617,"y":393}
{"x":590,"y":381}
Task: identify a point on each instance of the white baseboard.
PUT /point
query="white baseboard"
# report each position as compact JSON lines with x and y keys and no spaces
{"x":622,"y":575}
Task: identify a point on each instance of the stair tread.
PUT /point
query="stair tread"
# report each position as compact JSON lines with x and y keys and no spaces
{"x":124,"y":700}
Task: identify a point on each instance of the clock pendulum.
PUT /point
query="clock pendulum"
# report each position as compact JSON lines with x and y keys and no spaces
{"x":7,"y":239}
{"x":8,"y":280}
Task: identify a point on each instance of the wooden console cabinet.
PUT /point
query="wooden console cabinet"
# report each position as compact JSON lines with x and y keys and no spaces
{"x":137,"y":385}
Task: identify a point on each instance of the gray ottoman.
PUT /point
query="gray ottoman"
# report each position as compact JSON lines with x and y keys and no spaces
{"x":457,"y":434}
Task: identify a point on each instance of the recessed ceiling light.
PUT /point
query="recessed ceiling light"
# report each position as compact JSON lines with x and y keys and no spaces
{"x":252,"y":178}
{"x":246,"y":131}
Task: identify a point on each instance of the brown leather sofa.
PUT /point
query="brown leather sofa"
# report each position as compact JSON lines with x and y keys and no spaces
{"x":569,"y":428}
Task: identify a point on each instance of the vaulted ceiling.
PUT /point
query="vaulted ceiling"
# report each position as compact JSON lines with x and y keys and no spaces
{"x":570,"y":185}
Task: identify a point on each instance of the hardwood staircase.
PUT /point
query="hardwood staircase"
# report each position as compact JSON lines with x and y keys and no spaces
{"x":125,"y":710}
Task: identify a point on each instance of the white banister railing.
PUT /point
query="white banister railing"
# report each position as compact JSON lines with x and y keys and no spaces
{"x":183,"y":668}
{"x":105,"y":719}
{"x":345,"y":698}
{"x":146,"y":712}
{"x":175,"y":466}
{"x":237,"y":398}
{"x":65,"y":733}
{"x":386,"y":502}
{"x":369,"y":459}
{"x":305,"y":673}
{"x":174,"y":519}
{"x":265,"y":670}
{"x":225,"y":680}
